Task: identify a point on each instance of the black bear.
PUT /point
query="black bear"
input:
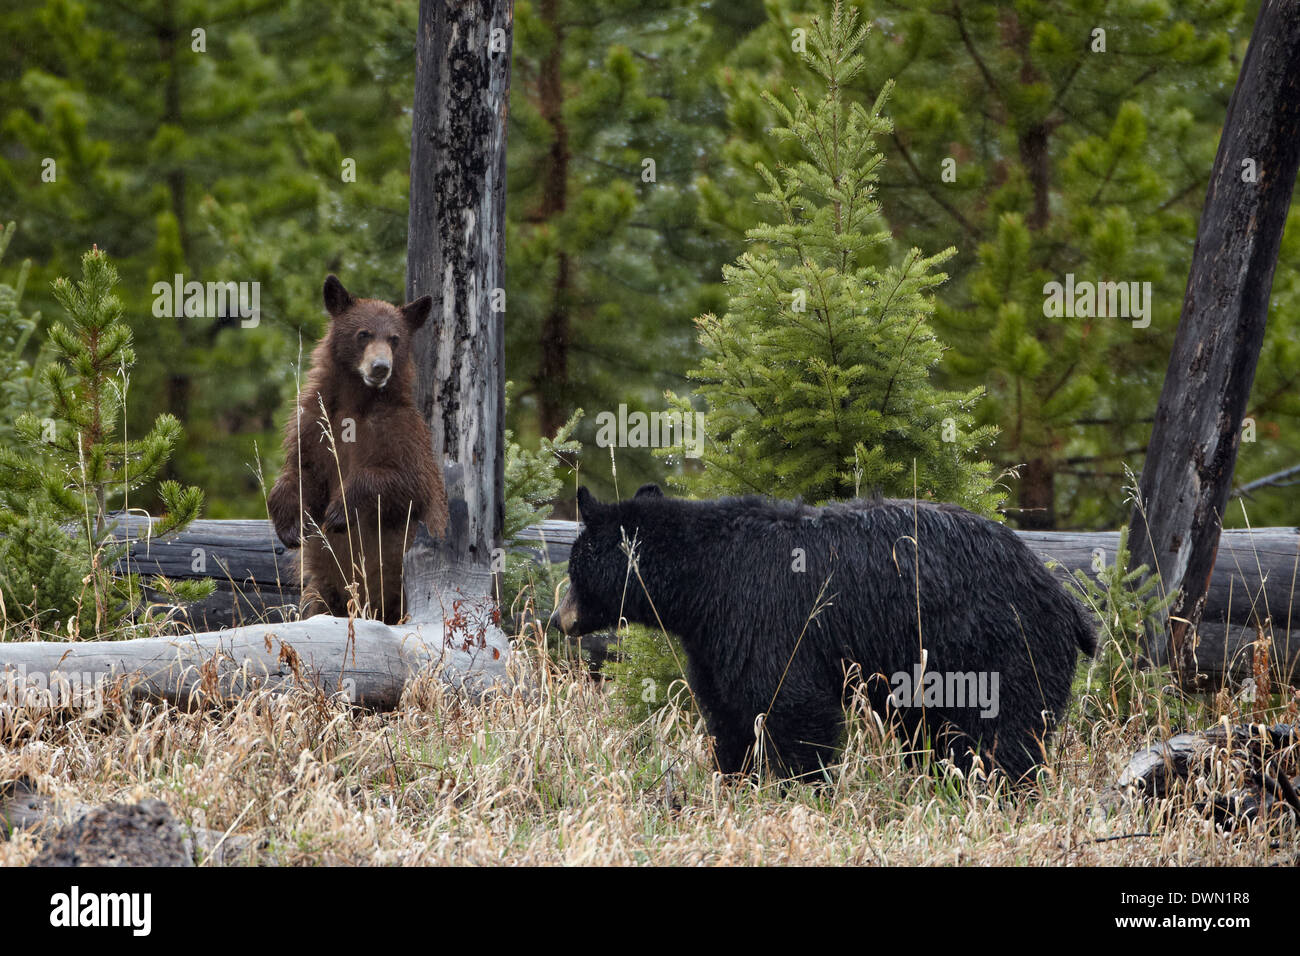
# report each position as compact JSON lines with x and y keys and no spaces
{"x":359,"y":470}
{"x":775,"y":602}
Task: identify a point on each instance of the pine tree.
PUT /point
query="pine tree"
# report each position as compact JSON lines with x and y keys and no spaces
{"x":817,"y":377}
{"x":80,"y":461}
{"x":531,"y":479}
{"x":1042,"y":147}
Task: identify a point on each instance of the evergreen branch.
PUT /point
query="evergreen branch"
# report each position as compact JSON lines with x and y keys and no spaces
{"x":946,"y":206}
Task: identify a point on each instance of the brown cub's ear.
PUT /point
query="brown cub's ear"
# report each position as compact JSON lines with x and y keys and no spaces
{"x":337,"y":299}
{"x":416,"y":312}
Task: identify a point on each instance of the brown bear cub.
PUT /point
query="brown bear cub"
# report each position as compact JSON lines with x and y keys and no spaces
{"x":355,"y":516}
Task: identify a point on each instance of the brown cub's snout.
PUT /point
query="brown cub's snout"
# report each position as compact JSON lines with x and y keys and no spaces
{"x":377,"y":363}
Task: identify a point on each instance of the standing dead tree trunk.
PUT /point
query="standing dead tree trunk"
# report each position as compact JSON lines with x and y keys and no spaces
{"x":456,"y":253}
{"x":1188,"y":473}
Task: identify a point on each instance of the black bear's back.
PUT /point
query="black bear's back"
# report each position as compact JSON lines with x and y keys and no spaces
{"x":874,"y":537}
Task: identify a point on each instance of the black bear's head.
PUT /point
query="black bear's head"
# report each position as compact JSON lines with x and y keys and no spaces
{"x":600,"y":586}
{"x":373,"y":338}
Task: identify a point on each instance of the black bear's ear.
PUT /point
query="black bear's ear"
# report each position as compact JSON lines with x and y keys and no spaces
{"x":337,"y":299}
{"x":649,"y":491}
{"x":588,"y":506}
{"x":418,"y":311}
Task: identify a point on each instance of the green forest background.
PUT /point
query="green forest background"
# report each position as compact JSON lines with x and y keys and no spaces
{"x":227,"y":164}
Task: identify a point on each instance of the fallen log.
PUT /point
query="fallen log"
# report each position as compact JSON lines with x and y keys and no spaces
{"x":367,"y":661}
{"x":256,"y":576}
{"x":1239,"y":773}
{"x":1254,"y":585}
{"x":1255,"y":588}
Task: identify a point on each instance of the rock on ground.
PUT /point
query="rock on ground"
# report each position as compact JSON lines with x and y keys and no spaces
{"x":139,"y":834}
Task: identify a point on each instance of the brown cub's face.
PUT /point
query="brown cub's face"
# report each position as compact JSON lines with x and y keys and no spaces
{"x":371,"y":337}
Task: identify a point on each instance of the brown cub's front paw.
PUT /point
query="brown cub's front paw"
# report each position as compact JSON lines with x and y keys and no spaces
{"x":336,"y":517}
{"x":283,"y":512}
{"x":289,"y":536}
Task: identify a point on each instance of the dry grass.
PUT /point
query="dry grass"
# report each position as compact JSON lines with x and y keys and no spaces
{"x":559,"y":775}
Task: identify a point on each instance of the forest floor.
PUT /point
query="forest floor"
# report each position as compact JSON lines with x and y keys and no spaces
{"x":561,"y":774}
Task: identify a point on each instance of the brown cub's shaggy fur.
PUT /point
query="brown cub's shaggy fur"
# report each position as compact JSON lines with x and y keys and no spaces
{"x":365,"y":504}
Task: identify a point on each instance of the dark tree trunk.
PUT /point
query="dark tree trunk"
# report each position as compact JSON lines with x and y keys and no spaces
{"x":1037,"y":497}
{"x":1189,"y":463}
{"x":179,"y":382}
{"x":1036,"y":156}
{"x":170,"y":39}
{"x":456,"y":253}
{"x":553,"y":368}
{"x":1037,"y":492}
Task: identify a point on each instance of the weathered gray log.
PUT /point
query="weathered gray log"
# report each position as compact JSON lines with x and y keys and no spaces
{"x":367,"y":661}
{"x":1187,"y":476}
{"x":1153,"y":770}
{"x":1258,"y":763}
{"x":1254,"y":586}
{"x":256,"y":576}
{"x":456,"y":253}
{"x":1254,"y":579}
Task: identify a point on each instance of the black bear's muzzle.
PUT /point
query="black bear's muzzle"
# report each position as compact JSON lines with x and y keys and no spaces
{"x":566,"y":614}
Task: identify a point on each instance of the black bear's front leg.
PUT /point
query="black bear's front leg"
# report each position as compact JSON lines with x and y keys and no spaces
{"x":301,"y":492}
{"x":282,"y":506}
{"x":733,"y":751}
{"x":798,"y":753}
{"x":733,"y":735}
{"x":803,"y":737}
{"x":800,"y":734}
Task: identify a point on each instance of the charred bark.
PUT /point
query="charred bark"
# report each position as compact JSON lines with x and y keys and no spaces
{"x":456,"y":253}
{"x":1193,"y":450}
